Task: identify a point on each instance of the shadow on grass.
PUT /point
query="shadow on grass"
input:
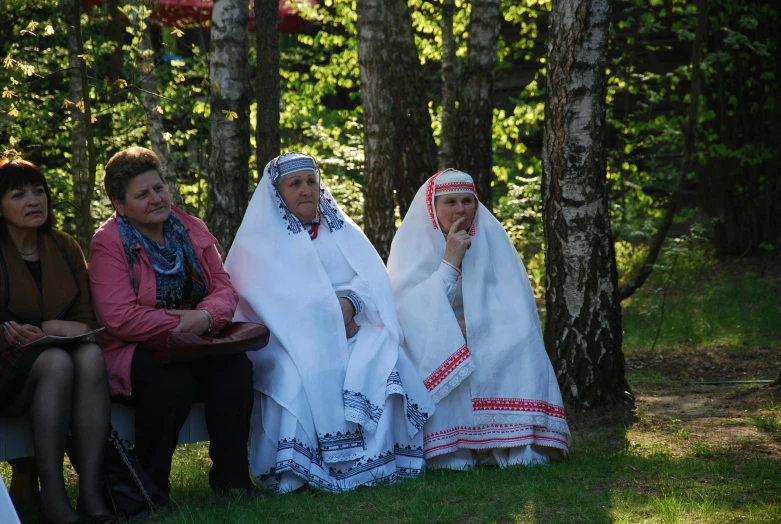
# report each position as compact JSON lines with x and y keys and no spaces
{"x":607,"y":478}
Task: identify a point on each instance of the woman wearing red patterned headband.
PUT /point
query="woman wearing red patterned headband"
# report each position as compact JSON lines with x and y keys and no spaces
{"x":471,"y":327}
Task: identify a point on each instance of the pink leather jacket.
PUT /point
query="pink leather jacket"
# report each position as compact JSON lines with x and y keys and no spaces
{"x":130,"y":319}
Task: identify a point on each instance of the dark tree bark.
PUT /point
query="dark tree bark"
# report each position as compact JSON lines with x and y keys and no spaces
{"x":690,"y":140}
{"x":447,"y":137}
{"x":230,"y":129}
{"x":583,"y":321}
{"x":83,"y":160}
{"x":413,"y":150}
{"x":267,"y":85}
{"x":379,"y":222}
{"x":475,"y":114}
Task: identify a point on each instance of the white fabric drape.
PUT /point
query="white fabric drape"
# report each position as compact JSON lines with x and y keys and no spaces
{"x":506,"y":393}
{"x":336,"y":390}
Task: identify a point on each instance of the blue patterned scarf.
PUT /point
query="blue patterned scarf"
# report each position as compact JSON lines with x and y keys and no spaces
{"x":170,"y":262}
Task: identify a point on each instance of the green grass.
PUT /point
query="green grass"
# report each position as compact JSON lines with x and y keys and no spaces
{"x":607,"y":478}
{"x":742,"y":312}
{"x":600,"y":482}
{"x":768,"y":418}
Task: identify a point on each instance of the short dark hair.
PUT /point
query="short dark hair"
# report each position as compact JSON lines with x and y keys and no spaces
{"x":126,"y":165}
{"x":17,"y":174}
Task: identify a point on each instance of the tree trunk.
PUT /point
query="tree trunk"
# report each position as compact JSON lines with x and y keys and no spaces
{"x":379,"y":221}
{"x":230,"y":129}
{"x":83,"y":161}
{"x":447,"y":136}
{"x":151,"y":99}
{"x":475,"y":114}
{"x":583,"y":321}
{"x":413,"y":150}
{"x":267,"y":86}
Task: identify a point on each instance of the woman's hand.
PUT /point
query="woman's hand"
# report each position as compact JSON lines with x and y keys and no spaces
{"x":64,"y":328}
{"x":20,"y":334}
{"x":348,"y":310}
{"x":190,"y":321}
{"x":351,"y":328}
{"x":458,"y":241}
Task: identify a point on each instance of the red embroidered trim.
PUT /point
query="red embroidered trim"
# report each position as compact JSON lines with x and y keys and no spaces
{"x":456,"y":187}
{"x":517,"y":404}
{"x":430,"y":193}
{"x":526,"y":438}
{"x":447,"y":367}
{"x":479,"y":435}
{"x":430,"y":200}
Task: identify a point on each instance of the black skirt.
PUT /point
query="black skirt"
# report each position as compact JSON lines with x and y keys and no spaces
{"x":15,"y":366}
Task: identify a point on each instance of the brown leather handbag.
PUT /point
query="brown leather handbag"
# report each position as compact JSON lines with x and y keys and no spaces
{"x":237,"y":337}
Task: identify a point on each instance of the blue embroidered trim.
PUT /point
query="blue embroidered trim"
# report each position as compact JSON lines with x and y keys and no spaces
{"x":356,"y":302}
{"x":303,"y":163}
{"x":329,"y":210}
{"x":301,"y":467}
{"x":340,"y":442}
{"x":328,"y":207}
{"x":415,"y":416}
{"x":364,"y":412}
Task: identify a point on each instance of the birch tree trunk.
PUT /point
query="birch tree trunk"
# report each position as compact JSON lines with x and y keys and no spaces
{"x":475,"y":150}
{"x":583,"y":321}
{"x":230,"y":129}
{"x":379,"y":221}
{"x":83,"y":161}
{"x":267,"y":86}
{"x":150,"y":97}
{"x":413,"y":150}
{"x":447,"y":146}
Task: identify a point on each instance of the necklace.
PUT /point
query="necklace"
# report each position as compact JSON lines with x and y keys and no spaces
{"x":34,"y":251}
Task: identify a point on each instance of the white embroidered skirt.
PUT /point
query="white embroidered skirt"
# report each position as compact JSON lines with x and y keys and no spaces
{"x":283,"y":456}
{"x":453,"y":440}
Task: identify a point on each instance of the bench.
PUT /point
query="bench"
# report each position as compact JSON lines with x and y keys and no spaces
{"x":16,"y":442}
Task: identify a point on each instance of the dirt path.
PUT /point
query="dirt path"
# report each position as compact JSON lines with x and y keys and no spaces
{"x":674,"y":412}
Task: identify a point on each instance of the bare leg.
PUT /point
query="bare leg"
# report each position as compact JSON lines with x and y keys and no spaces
{"x":90,"y":423}
{"x":47,"y":394}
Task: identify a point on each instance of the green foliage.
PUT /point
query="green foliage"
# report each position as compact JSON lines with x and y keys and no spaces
{"x":321,"y":114}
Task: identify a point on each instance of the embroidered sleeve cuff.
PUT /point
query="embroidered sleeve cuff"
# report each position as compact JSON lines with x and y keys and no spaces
{"x":449,"y":271}
{"x":356,"y":302}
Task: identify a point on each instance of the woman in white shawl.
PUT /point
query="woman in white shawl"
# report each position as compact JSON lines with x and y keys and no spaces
{"x":337,"y":404}
{"x":472,"y":331}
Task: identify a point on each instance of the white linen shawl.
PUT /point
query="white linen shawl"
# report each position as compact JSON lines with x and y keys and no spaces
{"x":282,"y":284}
{"x":511,"y":379}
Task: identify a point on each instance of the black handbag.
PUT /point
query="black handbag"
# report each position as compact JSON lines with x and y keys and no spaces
{"x":130,"y":492}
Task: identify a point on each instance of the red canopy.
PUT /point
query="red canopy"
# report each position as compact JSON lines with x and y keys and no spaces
{"x":184,"y":13}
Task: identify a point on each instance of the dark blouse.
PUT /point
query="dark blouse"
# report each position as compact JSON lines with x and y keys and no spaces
{"x":35,"y":271}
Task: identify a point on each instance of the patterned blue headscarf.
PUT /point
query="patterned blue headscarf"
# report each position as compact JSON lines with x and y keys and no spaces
{"x":170,"y":262}
{"x":288,"y":164}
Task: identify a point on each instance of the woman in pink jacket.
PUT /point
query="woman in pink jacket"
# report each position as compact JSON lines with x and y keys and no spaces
{"x":155,"y":269}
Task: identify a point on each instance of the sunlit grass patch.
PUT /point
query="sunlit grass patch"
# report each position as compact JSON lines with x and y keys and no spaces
{"x":768,"y":417}
{"x":740,"y":312}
